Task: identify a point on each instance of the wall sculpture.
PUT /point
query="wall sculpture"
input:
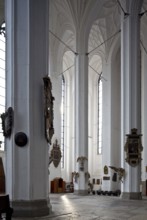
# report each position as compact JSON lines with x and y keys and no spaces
{"x":119,"y":171}
{"x":105,"y":170}
{"x":133,"y":148}
{"x":81,"y":161}
{"x":7,"y":122}
{"x":48,"y":109}
{"x":55,"y":155}
{"x":75,"y":175}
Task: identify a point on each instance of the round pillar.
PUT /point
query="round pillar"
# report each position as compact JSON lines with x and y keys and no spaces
{"x":81,"y":123}
{"x":130,"y":94}
{"x":27,"y":64}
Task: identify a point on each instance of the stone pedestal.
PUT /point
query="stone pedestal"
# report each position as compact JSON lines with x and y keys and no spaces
{"x":30,"y":208}
{"x":131,"y":195}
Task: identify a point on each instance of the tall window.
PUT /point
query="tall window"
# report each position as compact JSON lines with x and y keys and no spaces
{"x":62,"y":121}
{"x":2,"y":80}
{"x":99,"y":115}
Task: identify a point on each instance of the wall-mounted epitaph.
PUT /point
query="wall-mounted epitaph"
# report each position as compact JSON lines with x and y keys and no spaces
{"x":120,"y":171}
{"x":48,"y":109}
{"x":105,"y":170}
{"x":106,"y":177}
{"x":7,"y":122}
{"x":133,"y":148}
{"x":55,"y":155}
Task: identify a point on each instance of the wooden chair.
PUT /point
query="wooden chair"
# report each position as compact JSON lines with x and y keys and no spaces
{"x":5,"y":207}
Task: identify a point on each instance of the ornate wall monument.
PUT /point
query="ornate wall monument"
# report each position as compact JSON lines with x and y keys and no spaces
{"x":48,"y":109}
{"x":7,"y":122}
{"x":133,"y":148}
{"x":55,"y":154}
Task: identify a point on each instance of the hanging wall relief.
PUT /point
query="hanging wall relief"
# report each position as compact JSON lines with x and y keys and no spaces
{"x":7,"y":122}
{"x":133,"y":148}
{"x":105,"y":170}
{"x":48,"y":109}
{"x":55,"y":155}
{"x":120,"y":172}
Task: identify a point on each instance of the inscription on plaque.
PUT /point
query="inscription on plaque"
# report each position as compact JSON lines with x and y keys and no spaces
{"x":106,"y":177}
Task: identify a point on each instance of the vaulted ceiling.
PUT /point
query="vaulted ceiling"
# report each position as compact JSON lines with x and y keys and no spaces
{"x":101,"y":17}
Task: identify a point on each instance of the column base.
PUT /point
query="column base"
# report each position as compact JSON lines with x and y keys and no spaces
{"x":36,"y":208}
{"x":131,"y":195}
{"x":143,"y":186}
{"x":81,"y":192}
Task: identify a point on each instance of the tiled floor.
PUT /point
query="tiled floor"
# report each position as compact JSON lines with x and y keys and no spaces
{"x":94,"y":207}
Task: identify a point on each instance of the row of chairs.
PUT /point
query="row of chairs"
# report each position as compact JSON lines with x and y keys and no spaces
{"x":107,"y":193}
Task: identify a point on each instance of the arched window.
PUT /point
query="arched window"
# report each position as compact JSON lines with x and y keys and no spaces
{"x":62,"y":121}
{"x":2,"y":80}
{"x":99,"y":144}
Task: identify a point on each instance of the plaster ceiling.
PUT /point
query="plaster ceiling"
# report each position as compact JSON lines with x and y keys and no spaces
{"x":103,"y":17}
{"x":66,"y":17}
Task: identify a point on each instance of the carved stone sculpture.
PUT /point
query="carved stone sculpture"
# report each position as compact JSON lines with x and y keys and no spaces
{"x":7,"y":122}
{"x":87,"y":175}
{"x":55,"y":155}
{"x":119,"y":171}
{"x":75,"y":175}
{"x":90,"y":187}
{"x":48,"y":109}
{"x":81,"y":160}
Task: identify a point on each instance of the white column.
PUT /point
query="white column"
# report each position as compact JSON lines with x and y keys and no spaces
{"x":106,"y":126}
{"x":81,"y":122}
{"x":130,"y":94}
{"x":115,"y":118}
{"x":111,"y":120}
{"x":27,"y":64}
{"x":144,"y":116}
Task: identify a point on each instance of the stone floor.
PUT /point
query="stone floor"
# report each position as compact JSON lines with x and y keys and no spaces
{"x":94,"y":207}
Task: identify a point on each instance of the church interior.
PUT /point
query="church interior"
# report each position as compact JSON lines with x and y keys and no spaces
{"x":73,"y":108}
